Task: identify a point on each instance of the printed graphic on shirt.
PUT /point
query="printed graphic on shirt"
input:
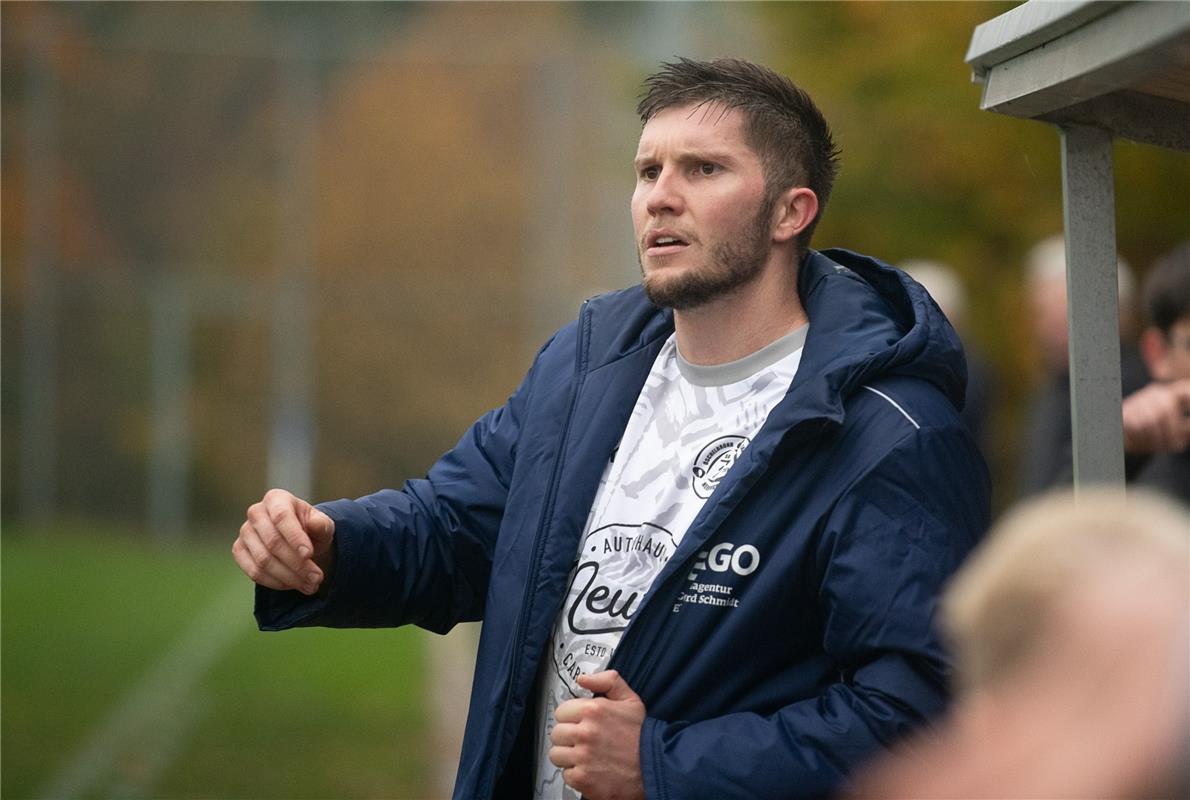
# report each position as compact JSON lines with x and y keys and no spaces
{"x":617,"y":564}
{"x":713,"y":462}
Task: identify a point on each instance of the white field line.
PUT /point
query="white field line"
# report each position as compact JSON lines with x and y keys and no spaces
{"x":136,"y":774}
{"x":151,"y":705}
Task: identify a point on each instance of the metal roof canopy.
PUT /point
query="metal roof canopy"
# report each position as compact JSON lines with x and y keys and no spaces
{"x":1096,"y":70}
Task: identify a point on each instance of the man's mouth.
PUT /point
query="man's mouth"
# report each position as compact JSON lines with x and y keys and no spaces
{"x":663,"y":242}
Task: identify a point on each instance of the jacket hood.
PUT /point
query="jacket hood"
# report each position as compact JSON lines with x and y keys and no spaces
{"x":868,"y":320}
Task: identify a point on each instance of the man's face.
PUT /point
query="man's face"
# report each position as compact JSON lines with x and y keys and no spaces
{"x":1047,"y":298}
{"x":1175,"y":359}
{"x":703,"y":226}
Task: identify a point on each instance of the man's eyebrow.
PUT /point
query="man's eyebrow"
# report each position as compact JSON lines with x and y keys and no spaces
{"x":689,"y":155}
{"x":708,"y":154}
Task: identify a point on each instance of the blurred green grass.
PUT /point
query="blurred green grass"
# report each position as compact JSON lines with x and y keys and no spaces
{"x":87,"y":613}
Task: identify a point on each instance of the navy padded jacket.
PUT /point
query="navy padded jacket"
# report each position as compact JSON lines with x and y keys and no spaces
{"x":861,"y":495}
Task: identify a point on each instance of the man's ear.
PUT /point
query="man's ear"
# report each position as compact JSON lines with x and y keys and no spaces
{"x":796,"y":209}
{"x":1154,"y":349}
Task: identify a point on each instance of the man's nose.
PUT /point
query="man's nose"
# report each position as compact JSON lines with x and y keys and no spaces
{"x":665,"y":196}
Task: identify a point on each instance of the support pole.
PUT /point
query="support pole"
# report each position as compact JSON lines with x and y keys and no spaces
{"x":549,"y":286}
{"x":39,"y":328}
{"x":291,"y":450}
{"x":170,"y":375}
{"x":1093,"y":306}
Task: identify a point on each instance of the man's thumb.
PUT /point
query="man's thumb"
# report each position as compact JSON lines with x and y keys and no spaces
{"x":607,"y":683}
{"x":319,"y":526}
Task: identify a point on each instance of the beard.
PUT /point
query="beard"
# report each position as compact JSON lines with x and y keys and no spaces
{"x":732,"y":264}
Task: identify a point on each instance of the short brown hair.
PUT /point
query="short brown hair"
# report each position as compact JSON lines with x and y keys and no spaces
{"x":781,"y":123}
{"x":1167,"y":289}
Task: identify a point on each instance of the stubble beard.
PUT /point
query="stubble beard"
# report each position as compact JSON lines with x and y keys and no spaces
{"x":732,"y":265}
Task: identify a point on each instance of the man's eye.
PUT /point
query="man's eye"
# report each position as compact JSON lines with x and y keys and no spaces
{"x":707,"y":168}
{"x":650,"y":173}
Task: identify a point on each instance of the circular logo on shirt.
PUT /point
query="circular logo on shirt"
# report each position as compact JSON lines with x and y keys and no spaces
{"x":713,"y":462}
{"x":615,"y":568}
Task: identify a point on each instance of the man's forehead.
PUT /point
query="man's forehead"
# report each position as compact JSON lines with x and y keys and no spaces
{"x":713,"y":114}
{"x":695,"y":123}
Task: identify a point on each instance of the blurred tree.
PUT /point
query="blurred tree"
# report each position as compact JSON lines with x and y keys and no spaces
{"x":172,"y":140}
{"x":927,"y":174}
{"x":471,"y":168}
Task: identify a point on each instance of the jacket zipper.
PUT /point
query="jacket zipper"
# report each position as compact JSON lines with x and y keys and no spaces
{"x":665,"y":632}
{"x":539,"y":542}
{"x":645,"y":667}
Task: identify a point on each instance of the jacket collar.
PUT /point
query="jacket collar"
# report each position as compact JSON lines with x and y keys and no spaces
{"x":867,"y":319}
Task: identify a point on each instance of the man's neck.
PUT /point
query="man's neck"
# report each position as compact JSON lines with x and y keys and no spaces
{"x":740,"y":323}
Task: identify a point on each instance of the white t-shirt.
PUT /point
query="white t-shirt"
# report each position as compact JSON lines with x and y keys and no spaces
{"x":689,"y":425}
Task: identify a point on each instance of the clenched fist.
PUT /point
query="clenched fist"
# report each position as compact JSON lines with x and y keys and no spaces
{"x":596,"y":740}
{"x":285,"y":543}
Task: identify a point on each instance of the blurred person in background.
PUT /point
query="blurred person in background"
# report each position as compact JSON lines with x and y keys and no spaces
{"x":1071,"y":626}
{"x":1046,"y":454}
{"x":1157,"y":417}
{"x":707,"y":534}
{"x":945,"y":285}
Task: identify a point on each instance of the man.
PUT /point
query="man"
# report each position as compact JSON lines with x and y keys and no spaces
{"x":1157,"y":418}
{"x":1047,"y":450}
{"x":945,"y":286}
{"x":707,"y":533}
{"x":1070,"y":626}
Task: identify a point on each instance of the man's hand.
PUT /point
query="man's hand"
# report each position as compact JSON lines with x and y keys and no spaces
{"x":597,"y":740}
{"x":285,"y":543}
{"x":1157,"y":418}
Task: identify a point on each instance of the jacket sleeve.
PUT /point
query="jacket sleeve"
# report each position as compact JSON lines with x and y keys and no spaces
{"x":886,"y":550}
{"x":421,"y":554}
